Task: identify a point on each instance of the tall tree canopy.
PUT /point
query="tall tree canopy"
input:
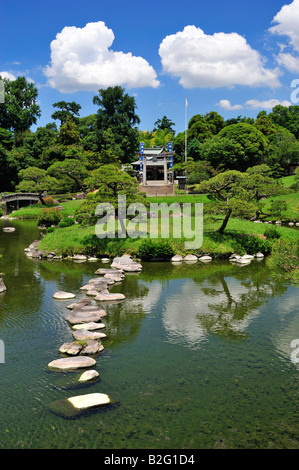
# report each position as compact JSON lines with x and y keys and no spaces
{"x":117,"y":112}
{"x":20,"y":109}
{"x":66,"y":110}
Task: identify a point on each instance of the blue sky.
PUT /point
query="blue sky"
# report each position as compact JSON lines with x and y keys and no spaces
{"x":233,"y":57}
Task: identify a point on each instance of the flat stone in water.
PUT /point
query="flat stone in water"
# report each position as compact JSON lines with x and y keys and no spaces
{"x":61,"y":295}
{"x":70,"y":348}
{"x":110,"y":296}
{"x":85,"y":334}
{"x":72,"y":363}
{"x":79,"y":316}
{"x":92,"y":347}
{"x":91,"y":400}
{"x":80,"y":303}
{"x":88,"y":375}
{"x":89,"y":326}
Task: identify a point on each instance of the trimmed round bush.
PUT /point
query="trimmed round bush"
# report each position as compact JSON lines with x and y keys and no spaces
{"x":49,"y":216}
{"x":66,"y":222}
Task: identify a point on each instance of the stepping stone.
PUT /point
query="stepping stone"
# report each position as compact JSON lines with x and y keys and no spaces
{"x":85,"y":334}
{"x":92,"y":347}
{"x":9,"y":229}
{"x":72,"y":363}
{"x":92,"y":293}
{"x":108,"y":297}
{"x":79,"y":316}
{"x":93,"y":259}
{"x":91,"y":400}
{"x":248,"y":257}
{"x":89,"y":326}
{"x":80,"y":257}
{"x":259,"y":255}
{"x":88,"y":375}
{"x":70,"y":348}
{"x":242,"y":261}
{"x":105,"y":260}
{"x":126,"y":263}
{"x":75,"y":407}
{"x":61,"y":295}
{"x":102,"y":271}
{"x":80,"y":303}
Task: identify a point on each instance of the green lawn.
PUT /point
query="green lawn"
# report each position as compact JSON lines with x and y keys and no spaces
{"x":287,"y":181}
{"x":32,"y":212}
{"x":292,"y":212}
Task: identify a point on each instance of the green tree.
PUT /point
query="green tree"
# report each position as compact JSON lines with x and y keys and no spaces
{"x":215,"y":122}
{"x":109,"y":181}
{"x":74,"y":169}
{"x":249,"y":143}
{"x":229,"y":194}
{"x":20,"y":109}
{"x":35,"y":179}
{"x":66,"y":110}
{"x":261,"y":185}
{"x":164,"y":124}
{"x":117,"y":112}
{"x":287,"y":117}
{"x":68,"y":133}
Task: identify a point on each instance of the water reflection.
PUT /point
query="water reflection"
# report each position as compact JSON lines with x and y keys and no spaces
{"x":217,"y":299}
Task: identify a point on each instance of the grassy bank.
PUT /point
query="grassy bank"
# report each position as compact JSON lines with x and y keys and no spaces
{"x":32,"y":212}
{"x":72,"y":239}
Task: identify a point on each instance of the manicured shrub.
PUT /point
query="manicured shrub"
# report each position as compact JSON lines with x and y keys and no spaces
{"x":272,"y":233}
{"x":48,"y":217}
{"x":47,"y":200}
{"x":149,"y":249}
{"x":50,"y":229}
{"x":251,"y":244}
{"x":66,"y":222}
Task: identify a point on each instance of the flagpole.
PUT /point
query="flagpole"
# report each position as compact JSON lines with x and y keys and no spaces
{"x":186,"y":105}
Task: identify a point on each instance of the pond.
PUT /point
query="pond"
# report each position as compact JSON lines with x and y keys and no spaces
{"x":198,"y":356}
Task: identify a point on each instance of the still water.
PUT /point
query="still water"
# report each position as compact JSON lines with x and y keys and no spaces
{"x":197,"y":356}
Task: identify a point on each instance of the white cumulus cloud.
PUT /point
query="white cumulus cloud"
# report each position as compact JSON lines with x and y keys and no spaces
{"x":287,"y":21}
{"x":269,"y":104}
{"x":226,"y":104}
{"x":81,"y":59}
{"x":211,"y":61}
{"x":7,"y":75}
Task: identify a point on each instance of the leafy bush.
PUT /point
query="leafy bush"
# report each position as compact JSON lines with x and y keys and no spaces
{"x":251,"y":244}
{"x":47,"y":200}
{"x":94,"y":246}
{"x":277,"y":208}
{"x":50,"y":229}
{"x":272,"y":233}
{"x":66,"y":222}
{"x":48,"y":217}
{"x":149,"y":249}
{"x":284,"y":260}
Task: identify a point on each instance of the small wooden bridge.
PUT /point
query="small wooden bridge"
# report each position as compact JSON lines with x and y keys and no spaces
{"x":8,"y":201}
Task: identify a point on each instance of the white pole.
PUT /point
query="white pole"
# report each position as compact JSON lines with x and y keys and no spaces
{"x":186,"y":105}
